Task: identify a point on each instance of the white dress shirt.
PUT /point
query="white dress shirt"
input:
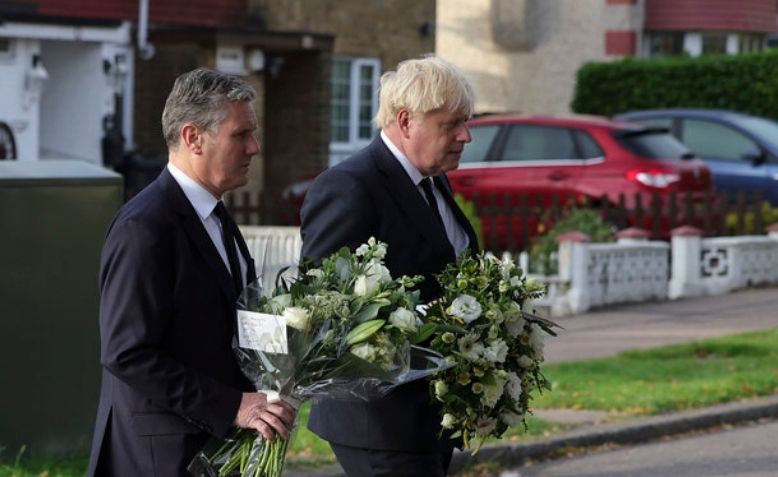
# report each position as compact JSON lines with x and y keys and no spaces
{"x":204,"y":203}
{"x":456,"y":234}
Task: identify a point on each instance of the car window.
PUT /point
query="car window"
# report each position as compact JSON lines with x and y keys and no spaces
{"x":765,"y":129}
{"x":536,"y":143}
{"x":589,"y":148}
{"x":652,"y":144}
{"x":481,"y":140}
{"x":713,"y":140}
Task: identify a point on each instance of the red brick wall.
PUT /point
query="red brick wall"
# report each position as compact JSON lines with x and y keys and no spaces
{"x":176,"y":12}
{"x":728,"y":15}
{"x":620,"y":42}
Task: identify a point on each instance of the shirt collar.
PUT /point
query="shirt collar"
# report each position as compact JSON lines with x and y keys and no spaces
{"x":202,"y":200}
{"x":410,"y":169}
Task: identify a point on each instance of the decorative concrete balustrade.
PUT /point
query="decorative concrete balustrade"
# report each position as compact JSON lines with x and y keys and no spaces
{"x":712,"y":266}
{"x":591,"y":275}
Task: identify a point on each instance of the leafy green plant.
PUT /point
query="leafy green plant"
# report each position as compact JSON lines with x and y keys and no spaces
{"x":583,"y":220}
{"x":769,"y":215}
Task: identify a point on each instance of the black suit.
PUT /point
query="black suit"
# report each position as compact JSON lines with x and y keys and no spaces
{"x":370,"y":194}
{"x":170,"y":378}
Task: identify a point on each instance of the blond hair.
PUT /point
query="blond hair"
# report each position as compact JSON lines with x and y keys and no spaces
{"x":421,"y":85}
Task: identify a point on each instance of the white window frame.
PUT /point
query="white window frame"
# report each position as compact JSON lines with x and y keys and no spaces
{"x":340,"y":148}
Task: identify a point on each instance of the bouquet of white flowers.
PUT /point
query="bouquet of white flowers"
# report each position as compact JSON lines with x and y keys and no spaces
{"x":342,"y":330}
{"x":483,"y":323}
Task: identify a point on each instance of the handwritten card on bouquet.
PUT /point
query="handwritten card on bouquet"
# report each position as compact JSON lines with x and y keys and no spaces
{"x":262,"y":332}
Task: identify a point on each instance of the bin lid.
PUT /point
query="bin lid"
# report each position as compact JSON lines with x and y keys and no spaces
{"x":53,"y":169}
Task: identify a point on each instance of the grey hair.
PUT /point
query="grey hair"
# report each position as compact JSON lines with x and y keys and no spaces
{"x":199,"y":97}
{"x":421,"y":85}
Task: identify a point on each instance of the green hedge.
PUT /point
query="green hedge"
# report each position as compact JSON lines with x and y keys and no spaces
{"x":747,"y":83}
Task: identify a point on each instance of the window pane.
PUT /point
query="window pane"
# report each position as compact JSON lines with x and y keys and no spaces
{"x":714,"y":43}
{"x":665,"y":43}
{"x":535,"y":143}
{"x":366,"y":95}
{"x":713,"y":140}
{"x":653,"y":144}
{"x":589,"y":148}
{"x":477,"y":149}
{"x":340,"y":100}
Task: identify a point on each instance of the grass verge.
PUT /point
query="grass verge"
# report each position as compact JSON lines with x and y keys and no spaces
{"x":653,"y":381}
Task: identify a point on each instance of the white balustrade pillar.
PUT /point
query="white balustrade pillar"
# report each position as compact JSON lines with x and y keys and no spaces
{"x":685,"y":277}
{"x":772,"y":231}
{"x":573,"y":256}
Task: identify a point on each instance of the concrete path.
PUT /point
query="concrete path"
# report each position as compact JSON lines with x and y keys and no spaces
{"x":648,"y":325}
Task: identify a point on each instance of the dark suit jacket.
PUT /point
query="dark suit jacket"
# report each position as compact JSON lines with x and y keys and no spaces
{"x":370,"y":194}
{"x":167,"y":307}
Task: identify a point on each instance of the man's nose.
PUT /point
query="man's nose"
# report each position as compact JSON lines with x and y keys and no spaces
{"x":463,"y":135}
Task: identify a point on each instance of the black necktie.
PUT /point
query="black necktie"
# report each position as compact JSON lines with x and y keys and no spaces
{"x":228,"y":238}
{"x":426,"y":184}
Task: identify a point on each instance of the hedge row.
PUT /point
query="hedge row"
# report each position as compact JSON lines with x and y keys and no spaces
{"x":747,"y":83}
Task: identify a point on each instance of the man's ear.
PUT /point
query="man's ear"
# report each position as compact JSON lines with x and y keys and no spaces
{"x":403,"y":118}
{"x":192,"y":138}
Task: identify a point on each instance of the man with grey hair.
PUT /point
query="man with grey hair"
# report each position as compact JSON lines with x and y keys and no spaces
{"x":396,"y":190}
{"x":172,"y":267}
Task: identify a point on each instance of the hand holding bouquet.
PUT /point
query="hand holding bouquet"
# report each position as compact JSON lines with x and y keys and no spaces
{"x":483,"y":323}
{"x":342,"y":330}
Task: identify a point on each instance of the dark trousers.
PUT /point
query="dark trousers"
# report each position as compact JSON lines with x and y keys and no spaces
{"x":360,"y":462}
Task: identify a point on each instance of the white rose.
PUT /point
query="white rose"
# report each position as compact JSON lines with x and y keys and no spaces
{"x":365,"y":285}
{"x":296,"y":317}
{"x":465,"y":307}
{"x":536,"y":340}
{"x":525,"y":362}
{"x":496,"y":352}
{"x":378,"y":271}
{"x":441,"y":389}
{"x":448,"y":421}
{"x":513,"y":386}
{"x":403,"y":319}
{"x":362,"y":250}
{"x":278,"y":303}
{"x":365,"y":351}
{"x":492,"y":393}
{"x":511,"y":418}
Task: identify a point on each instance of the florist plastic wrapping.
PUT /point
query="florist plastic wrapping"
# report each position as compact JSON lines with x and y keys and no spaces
{"x":344,"y":330}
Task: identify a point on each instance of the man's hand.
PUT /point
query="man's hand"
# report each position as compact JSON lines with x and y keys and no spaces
{"x":256,"y":413}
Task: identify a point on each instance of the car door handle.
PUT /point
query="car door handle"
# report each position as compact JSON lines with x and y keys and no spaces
{"x":558,"y":176}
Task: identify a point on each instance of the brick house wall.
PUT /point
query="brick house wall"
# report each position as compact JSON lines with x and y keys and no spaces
{"x":723,"y":15}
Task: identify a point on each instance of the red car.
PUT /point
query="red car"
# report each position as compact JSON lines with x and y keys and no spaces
{"x":572,"y":158}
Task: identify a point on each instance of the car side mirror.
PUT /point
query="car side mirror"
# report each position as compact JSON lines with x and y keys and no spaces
{"x":755,"y":156}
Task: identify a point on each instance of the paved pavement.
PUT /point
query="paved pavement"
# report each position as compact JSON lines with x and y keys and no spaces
{"x":637,"y":326}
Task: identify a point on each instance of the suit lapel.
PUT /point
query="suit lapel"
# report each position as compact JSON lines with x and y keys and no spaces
{"x":193,"y":227}
{"x":406,"y":196}
{"x":445,"y":188}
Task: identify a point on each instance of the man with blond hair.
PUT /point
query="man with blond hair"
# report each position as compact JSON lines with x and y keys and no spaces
{"x":396,"y":190}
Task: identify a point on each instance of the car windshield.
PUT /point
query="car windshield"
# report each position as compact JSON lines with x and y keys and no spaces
{"x":654,"y":144}
{"x":764,"y":129}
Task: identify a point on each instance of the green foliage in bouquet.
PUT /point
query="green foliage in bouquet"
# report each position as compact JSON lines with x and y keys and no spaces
{"x":348,"y":332}
{"x":483,"y":324}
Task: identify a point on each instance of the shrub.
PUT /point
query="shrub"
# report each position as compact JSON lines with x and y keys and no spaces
{"x":588,"y":221}
{"x":768,"y":214}
{"x":468,"y":208}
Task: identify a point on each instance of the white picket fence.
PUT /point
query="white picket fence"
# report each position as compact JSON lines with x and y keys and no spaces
{"x":598,"y":274}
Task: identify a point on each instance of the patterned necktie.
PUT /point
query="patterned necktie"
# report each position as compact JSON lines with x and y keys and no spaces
{"x":228,"y":238}
{"x":426,"y":185}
